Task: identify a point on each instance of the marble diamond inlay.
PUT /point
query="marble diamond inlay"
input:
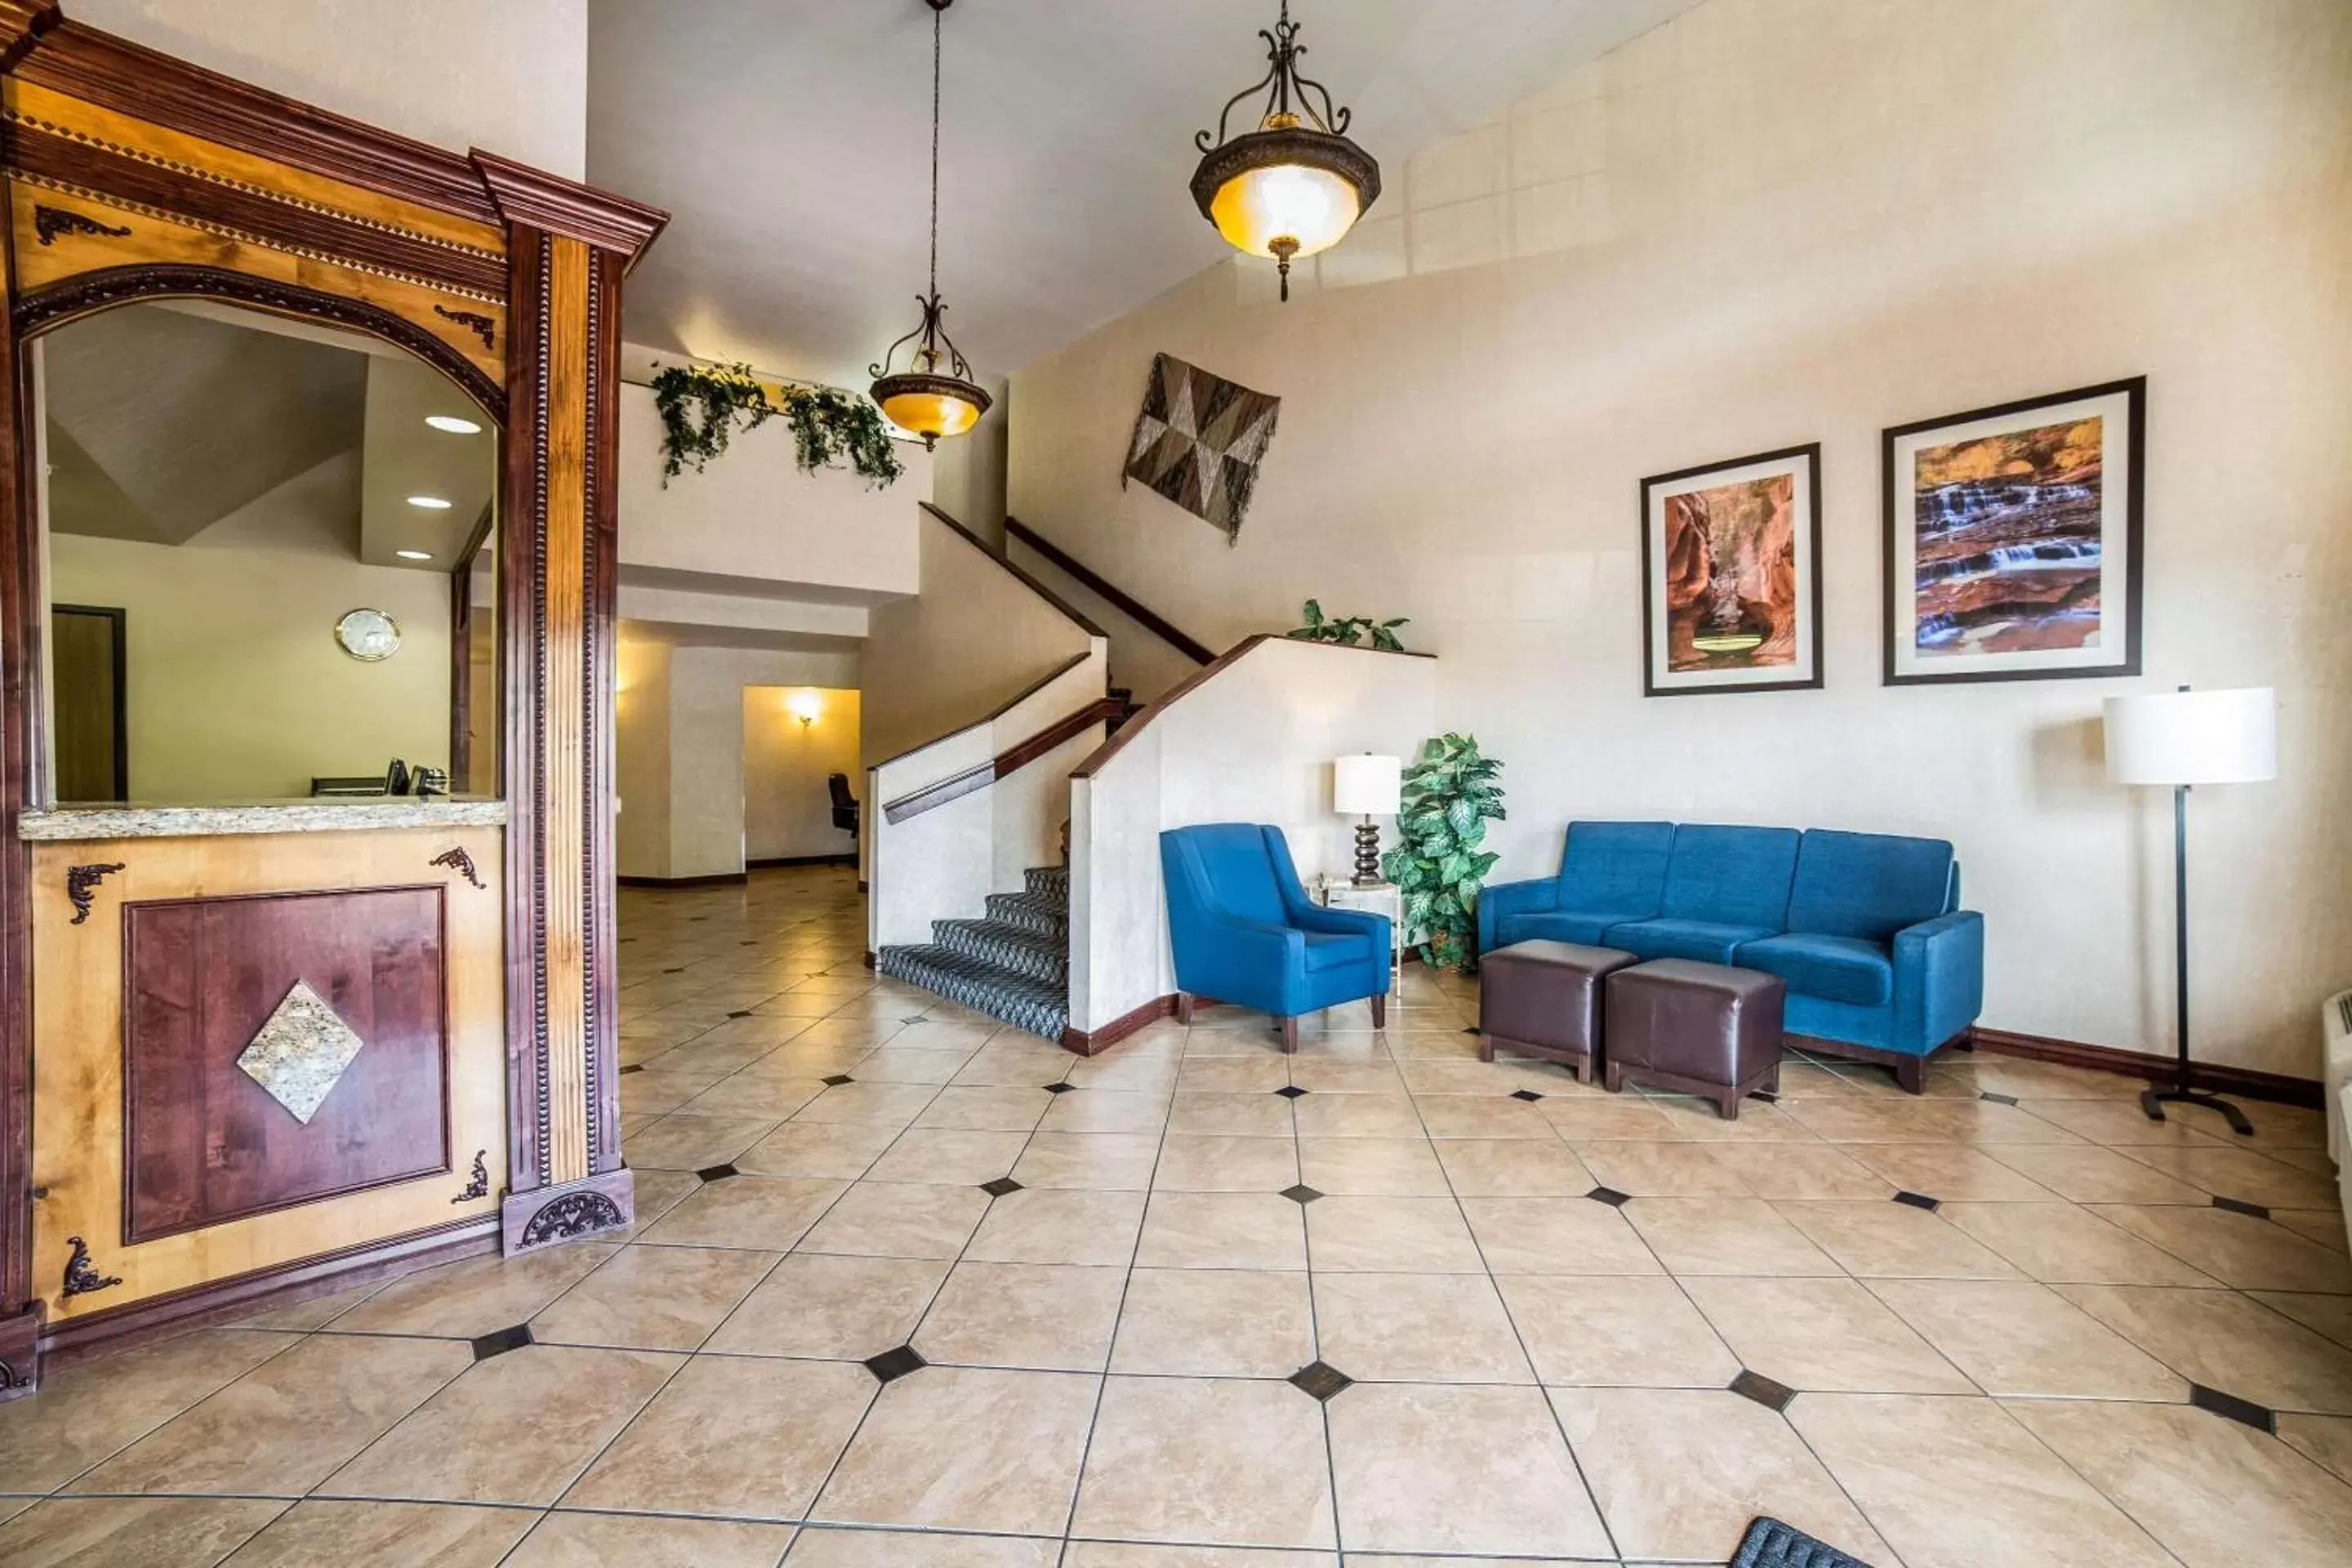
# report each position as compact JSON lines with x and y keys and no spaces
{"x":300,"y":1052}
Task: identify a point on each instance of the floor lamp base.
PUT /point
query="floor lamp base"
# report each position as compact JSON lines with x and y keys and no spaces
{"x":2152,"y":1100}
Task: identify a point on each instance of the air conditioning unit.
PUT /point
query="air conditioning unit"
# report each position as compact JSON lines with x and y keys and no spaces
{"x":2335,"y":1076}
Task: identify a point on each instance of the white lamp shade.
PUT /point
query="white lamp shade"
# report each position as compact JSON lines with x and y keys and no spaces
{"x":2193,"y":736}
{"x":1367,"y":785}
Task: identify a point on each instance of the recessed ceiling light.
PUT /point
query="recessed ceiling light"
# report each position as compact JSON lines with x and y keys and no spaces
{"x":431,"y":503}
{"x":413,"y":555}
{"x":452,"y":424}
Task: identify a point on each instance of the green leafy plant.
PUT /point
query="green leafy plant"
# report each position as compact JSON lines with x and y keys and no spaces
{"x":701,"y":407}
{"x":1349,"y":629}
{"x":1450,"y":796}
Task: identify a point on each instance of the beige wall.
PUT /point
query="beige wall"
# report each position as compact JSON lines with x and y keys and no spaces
{"x":237,"y":688}
{"x":1780,"y":221}
{"x":641,"y":757}
{"x":968,"y":473}
{"x":787,"y":808}
{"x":975,"y":638}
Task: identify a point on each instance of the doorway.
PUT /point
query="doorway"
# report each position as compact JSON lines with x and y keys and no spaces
{"x":88,"y":657}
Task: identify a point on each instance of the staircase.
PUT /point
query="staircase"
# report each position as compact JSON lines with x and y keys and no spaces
{"x":1013,"y":963}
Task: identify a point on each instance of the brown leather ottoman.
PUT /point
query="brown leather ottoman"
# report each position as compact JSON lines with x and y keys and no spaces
{"x":1543,"y":999}
{"x":1705,"y":1029}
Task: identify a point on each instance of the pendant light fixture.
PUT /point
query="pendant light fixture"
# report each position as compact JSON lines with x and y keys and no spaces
{"x":1296,"y":185}
{"x":934,"y":395}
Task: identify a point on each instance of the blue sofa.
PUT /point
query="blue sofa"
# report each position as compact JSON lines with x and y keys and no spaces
{"x":1244,"y":931}
{"x":1880,"y":962}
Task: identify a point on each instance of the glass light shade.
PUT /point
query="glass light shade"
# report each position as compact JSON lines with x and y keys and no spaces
{"x":1313,"y":207}
{"x":930,"y":414}
{"x":1366,"y":785}
{"x":803,"y":706}
{"x":2193,"y":736}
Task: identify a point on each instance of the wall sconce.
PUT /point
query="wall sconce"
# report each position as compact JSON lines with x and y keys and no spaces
{"x":804,"y":707}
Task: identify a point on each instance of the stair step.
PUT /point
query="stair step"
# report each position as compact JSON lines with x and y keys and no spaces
{"x":1044,"y":958}
{"x":1029,"y":912}
{"x":1049,"y":882}
{"x":1041,"y":1008}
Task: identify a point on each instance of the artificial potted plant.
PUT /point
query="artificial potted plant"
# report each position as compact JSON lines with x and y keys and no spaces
{"x":1450,"y":794}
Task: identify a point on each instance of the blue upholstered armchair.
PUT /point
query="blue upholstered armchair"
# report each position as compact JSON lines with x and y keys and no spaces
{"x":1244,"y":931}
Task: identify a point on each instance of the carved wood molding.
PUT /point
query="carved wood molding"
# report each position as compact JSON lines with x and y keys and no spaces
{"x":479,"y":1185}
{"x":474,"y":322}
{"x":461,"y":862}
{"x":533,"y":198}
{"x":82,"y":883}
{"x":82,"y":1278}
{"x":49,"y":222}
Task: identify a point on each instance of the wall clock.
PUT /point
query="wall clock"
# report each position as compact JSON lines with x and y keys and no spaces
{"x":368,"y":635}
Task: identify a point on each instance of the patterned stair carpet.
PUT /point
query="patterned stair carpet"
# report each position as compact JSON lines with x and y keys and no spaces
{"x":1012,"y":963}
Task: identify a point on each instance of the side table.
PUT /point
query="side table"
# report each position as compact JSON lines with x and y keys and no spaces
{"x":1379,"y":898}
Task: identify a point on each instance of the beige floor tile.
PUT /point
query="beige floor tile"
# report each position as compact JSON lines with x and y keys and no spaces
{"x":1357,"y":1116}
{"x":900,"y":1219}
{"x":1214,"y":1322}
{"x":2051,"y":1081}
{"x":1100,"y":1110}
{"x":2331,"y":1315}
{"x":2119,"y":1123}
{"x":1054,"y":1225}
{"x":685,"y":1142}
{"x":1660,"y":1170}
{"x":1417,"y":1328}
{"x":767,"y":1212}
{"x":1212,"y":1163}
{"x":1120,"y":1073}
{"x":1947,"y":1171}
{"x":1211,"y":1461}
{"x":647,"y":1541}
{"x":2066,"y":1244}
{"x":1355,"y":1234}
{"x":1958,"y":1483}
{"x":658,"y":1193}
{"x":1557,"y":1235}
{"x":2237,"y":1249}
{"x":1509,"y":1168}
{"x":1223,"y":1231}
{"x":820,"y":1304}
{"x":1830,"y":1335}
{"x":880,"y":1104}
{"x":1379,"y":1167}
{"x":841,"y":1152}
{"x":1632,"y":1331}
{"x":1015,"y":1066}
{"x":1801,"y":1170}
{"x":1126,"y":1554}
{"x":893,"y":1064}
{"x":752,"y":1096}
{"x":735,"y":1436}
{"x":1104,"y":1162}
{"x":948,"y":1159}
{"x":1891,"y":1240}
{"x":2227,"y":1341}
{"x":1457,"y":1469}
{"x":1052,"y":1318}
{"x":966,"y":1448}
{"x":819,"y":1548}
{"x":2240,"y":1172}
{"x":131,"y":1532}
{"x":1725,"y":1235}
{"x":1611,"y":1117}
{"x":657,"y":1093}
{"x":2324,"y":1227}
{"x":2017,"y":1338}
{"x":387,"y":1535}
{"x":1261,"y":1072}
{"x":1235,"y":1115}
{"x":282,"y":1428}
{"x":87,"y":1410}
{"x":466,"y":1301}
{"x":2087,"y":1175}
{"x":1494,"y":1115}
{"x":986,"y":1109}
{"x":652,"y":1299}
{"x":2213,"y":1491}
{"x":1679,"y":1473}
{"x":2325,"y":1440}
{"x":465,"y":1444}
{"x":1324,"y":1075}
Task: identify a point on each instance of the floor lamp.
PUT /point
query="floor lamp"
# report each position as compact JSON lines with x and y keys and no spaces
{"x":2184,"y":738}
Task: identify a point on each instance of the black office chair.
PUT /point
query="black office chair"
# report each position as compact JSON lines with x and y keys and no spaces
{"x":844,"y":805}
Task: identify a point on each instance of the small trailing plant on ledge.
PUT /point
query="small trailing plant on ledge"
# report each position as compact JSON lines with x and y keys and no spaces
{"x":701,"y":407}
{"x":1450,"y":796}
{"x":1349,"y":629}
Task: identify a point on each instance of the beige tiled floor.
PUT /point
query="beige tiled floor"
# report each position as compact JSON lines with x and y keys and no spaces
{"x":1538,"y":1375}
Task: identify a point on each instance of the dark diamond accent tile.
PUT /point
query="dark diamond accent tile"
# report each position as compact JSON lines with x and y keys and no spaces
{"x":1919,"y":1201}
{"x":1060,"y":1088}
{"x":2258,"y":1417}
{"x":1531,"y":1096}
{"x":747,"y":942}
{"x":1471,"y":1030}
{"x":999,"y":1187}
{"x":1611,"y":1196}
{"x":679,"y":970}
{"x":2240,"y":1206}
{"x":696,"y":920}
{"x":717,"y":1172}
{"x":1301,"y":1193}
{"x":1321,"y":1379}
{"x":1755,"y":1385}
{"x":916,"y":1019}
{"x":1290,"y":1091}
{"x":501,"y":1340}
{"x":892,"y":1365}
{"x":834,"y":1080}
{"x":740,"y":1013}
{"x":1767,"y":1096}
{"x":632,"y":1066}
{"x":1997,"y":1099}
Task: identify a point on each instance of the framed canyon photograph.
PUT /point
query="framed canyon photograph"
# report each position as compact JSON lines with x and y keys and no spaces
{"x":1731,"y":575}
{"x":2012,"y":543}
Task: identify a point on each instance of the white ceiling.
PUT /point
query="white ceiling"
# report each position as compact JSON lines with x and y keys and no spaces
{"x":791,"y":141}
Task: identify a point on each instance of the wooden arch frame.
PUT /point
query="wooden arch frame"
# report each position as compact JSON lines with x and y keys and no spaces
{"x":130,"y":174}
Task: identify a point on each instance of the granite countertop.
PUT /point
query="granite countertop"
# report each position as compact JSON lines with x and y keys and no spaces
{"x":67,"y":823}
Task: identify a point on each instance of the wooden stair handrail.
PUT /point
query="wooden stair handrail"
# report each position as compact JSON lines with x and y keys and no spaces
{"x":993,"y":714}
{"x":1071,"y":612}
{"x":1132,"y":608}
{"x":1013,"y":758}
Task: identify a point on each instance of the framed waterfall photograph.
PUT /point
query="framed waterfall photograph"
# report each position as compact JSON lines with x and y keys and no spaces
{"x":2012,"y":548}
{"x":1731,"y":575}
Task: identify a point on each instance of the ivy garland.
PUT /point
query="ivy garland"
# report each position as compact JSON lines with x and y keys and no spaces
{"x":701,"y":407}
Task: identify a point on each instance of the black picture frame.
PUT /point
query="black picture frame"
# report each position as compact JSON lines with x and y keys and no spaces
{"x":1658,"y":683}
{"x":1900,"y":627}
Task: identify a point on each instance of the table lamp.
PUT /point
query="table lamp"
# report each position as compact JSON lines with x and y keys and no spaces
{"x":2182,"y":739}
{"x":1369,"y":786}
